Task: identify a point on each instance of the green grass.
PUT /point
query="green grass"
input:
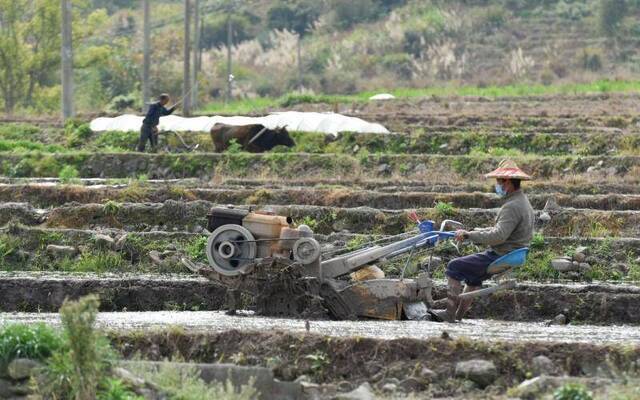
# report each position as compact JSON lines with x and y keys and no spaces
{"x":521,"y":89}
{"x":444,"y":210}
{"x":34,"y":341}
{"x":538,"y":267}
{"x":15,"y":131}
{"x":572,"y":391}
{"x":68,"y":174}
{"x":115,"y":389}
{"x":195,"y":249}
{"x":245,"y":106}
{"x":98,"y":262}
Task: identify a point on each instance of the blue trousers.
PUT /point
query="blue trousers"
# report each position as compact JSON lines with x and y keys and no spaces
{"x":471,"y":269}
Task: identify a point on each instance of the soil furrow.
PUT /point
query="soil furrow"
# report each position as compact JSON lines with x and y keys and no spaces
{"x":289,"y":165}
{"x":58,"y":195}
{"x":192,"y":216}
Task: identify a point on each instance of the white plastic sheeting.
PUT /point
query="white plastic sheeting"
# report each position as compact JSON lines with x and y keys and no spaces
{"x":382,"y":96}
{"x":329,"y":123}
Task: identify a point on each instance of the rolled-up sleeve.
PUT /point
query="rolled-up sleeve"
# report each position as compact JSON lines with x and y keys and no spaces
{"x":506,"y":222}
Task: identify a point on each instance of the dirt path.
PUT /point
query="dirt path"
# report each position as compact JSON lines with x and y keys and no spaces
{"x":216,"y":322}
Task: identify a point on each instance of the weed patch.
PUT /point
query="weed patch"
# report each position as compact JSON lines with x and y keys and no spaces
{"x":36,"y":341}
{"x":444,"y":210}
{"x":68,"y":174}
{"x":77,"y":368}
{"x":196,"y":248}
{"x":185,"y":383}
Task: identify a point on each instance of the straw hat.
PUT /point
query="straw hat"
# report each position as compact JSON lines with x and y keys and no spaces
{"x":508,"y":170}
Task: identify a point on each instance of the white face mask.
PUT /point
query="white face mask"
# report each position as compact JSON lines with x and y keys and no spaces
{"x":500,"y":190}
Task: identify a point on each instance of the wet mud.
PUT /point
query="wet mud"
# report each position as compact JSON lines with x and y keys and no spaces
{"x":46,"y":292}
{"x":595,"y":304}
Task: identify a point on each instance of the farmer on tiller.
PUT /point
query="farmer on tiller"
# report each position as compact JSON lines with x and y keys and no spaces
{"x":513,"y":230}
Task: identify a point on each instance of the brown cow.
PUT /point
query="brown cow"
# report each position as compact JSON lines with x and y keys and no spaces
{"x":253,"y":138}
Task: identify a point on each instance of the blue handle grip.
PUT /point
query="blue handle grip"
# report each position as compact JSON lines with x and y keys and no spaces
{"x":426,"y":226}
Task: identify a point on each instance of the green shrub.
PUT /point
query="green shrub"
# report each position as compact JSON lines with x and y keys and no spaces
{"x":34,"y":341}
{"x":77,"y":133}
{"x":68,"y":174}
{"x":196,"y":248}
{"x":537,"y":242}
{"x":71,"y":125}
{"x":444,"y":210}
{"x":75,"y":370}
{"x":572,"y":391}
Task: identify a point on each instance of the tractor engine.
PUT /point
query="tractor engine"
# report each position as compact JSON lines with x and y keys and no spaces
{"x":240,"y":237}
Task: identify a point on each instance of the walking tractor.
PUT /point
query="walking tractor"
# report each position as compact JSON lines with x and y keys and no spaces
{"x":289,"y":274}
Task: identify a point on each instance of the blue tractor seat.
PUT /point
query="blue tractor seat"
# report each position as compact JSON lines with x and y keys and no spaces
{"x":515,"y":258}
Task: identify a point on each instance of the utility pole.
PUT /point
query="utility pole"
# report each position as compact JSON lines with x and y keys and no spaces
{"x":146,"y":90}
{"x":196,"y":52}
{"x":186,"y":106}
{"x":67,"y":61}
{"x":299,"y":62}
{"x":229,"y":44}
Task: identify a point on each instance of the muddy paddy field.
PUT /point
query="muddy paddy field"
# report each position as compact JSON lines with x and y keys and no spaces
{"x":81,"y":213}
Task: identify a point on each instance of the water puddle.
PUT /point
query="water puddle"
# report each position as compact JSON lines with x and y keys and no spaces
{"x":214,"y":321}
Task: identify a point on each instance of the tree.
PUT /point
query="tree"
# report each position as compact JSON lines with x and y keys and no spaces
{"x":29,"y":49}
{"x":13,"y":54}
{"x":347,"y":13}
{"x":298,"y":18}
{"x":612,"y":12}
{"x":214,"y":31}
{"x":44,"y":37}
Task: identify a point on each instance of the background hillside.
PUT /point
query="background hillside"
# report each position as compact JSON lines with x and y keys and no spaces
{"x":346,"y":46}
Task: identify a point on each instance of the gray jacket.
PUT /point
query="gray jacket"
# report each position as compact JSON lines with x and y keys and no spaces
{"x":514,"y":226}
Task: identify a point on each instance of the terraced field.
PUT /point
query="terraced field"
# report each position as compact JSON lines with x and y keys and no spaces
{"x":118,"y":223}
